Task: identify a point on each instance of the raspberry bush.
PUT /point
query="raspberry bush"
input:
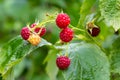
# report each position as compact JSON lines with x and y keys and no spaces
{"x":87,"y":47}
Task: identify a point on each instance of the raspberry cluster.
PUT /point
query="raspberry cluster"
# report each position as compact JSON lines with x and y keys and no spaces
{"x":66,"y":35}
{"x":63,"y":21}
{"x":33,"y":33}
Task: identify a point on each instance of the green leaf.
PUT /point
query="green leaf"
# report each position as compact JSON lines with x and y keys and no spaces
{"x":9,"y":75}
{"x":85,"y":10}
{"x":51,"y":67}
{"x":115,"y":55}
{"x":88,"y":62}
{"x":110,"y":10}
{"x":107,"y":44}
{"x":19,"y":68}
{"x":115,"y":76}
{"x":14,"y":51}
{"x":112,"y":46}
{"x":115,"y":62}
{"x":0,"y":77}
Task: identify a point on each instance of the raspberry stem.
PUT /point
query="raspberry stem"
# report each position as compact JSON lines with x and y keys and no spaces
{"x":81,"y":37}
{"x":79,"y":23}
{"x":50,"y":18}
{"x":95,"y":42}
{"x":76,"y":28}
{"x":67,"y":51}
{"x":44,"y":22}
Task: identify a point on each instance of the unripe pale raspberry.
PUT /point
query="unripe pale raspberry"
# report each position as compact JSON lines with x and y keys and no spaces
{"x":63,"y":62}
{"x":25,"y":33}
{"x":66,"y":35}
{"x":62,"y":20}
{"x":34,"y":39}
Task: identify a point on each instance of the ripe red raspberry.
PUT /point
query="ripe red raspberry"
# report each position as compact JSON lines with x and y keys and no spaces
{"x":25,"y":33}
{"x":43,"y":31}
{"x":63,"y":62}
{"x":66,"y":34}
{"x":95,"y":31}
{"x":62,"y":20}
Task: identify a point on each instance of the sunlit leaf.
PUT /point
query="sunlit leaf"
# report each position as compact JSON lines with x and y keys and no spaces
{"x":110,"y":10}
{"x":88,"y":62}
{"x":14,"y":51}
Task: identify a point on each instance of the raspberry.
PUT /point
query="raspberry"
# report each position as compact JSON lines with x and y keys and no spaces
{"x":66,"y":34}
{"x":25,"y":33}
{"x":63,"y":62}
{"x":42,"y":33}
{"x":33,"y":25}
{"x":62,"y":20}
{"x":94,"y":32}
{"x":34,"y":39}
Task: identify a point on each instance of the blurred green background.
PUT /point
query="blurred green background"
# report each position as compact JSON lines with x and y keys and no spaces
{"x":15,"y":14}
